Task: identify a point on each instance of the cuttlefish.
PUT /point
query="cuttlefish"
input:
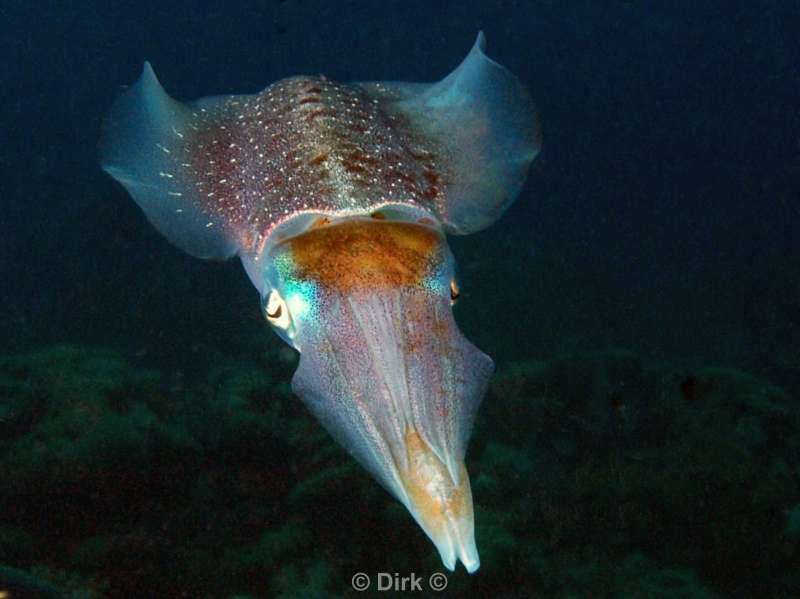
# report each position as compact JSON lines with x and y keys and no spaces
{"x":337,"y":199}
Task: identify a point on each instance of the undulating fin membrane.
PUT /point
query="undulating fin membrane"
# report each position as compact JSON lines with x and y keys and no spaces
{"x":484,"y":121}
{"x":147,"y":145}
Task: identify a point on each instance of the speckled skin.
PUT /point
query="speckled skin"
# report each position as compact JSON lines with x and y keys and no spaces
{"x":303,"y":145}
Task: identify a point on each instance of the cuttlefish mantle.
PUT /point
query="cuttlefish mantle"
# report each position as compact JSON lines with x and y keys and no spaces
{"x":337,"y":199}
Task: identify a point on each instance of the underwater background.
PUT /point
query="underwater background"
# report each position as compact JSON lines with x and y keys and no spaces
{"x":641,"y":436}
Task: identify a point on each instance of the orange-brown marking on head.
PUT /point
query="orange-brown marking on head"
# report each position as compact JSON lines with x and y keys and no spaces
{"x":365,"y":254}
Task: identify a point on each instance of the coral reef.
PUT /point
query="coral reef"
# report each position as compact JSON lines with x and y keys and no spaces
{"x":593,"y":473}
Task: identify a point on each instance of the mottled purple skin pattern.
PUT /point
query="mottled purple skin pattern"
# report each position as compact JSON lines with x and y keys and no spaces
{"x":304,"y":144}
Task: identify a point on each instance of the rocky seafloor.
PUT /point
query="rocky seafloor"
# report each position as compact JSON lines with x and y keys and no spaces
{"x":597,"y":474}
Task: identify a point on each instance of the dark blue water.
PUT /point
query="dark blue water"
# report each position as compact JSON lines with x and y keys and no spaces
{"x":662,"y":215}
{"x":668,"y":175}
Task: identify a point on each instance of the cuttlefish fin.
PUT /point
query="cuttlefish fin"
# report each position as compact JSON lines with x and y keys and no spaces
{"x":484,"y":121}
{"x":147,"y":144}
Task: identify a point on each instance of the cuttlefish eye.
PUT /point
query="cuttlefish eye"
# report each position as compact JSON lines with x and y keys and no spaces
{"x":276,"y":310}
{"x":455,"y":292}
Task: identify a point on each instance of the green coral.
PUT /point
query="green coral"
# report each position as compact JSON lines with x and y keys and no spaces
{"x":630,"y":461}
{"x":639,"y":577}
{"x":595,"y":472}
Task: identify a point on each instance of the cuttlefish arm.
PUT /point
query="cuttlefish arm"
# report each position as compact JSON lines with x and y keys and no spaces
{"x":384,"y":367}
{"x":336,"y":197}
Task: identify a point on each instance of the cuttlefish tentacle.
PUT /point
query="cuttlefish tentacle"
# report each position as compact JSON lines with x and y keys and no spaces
{"x":337,"y":198}
{"x":387,"y":371}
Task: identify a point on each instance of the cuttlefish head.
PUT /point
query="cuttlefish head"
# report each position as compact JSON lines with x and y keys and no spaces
{"x":368,"y":303}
